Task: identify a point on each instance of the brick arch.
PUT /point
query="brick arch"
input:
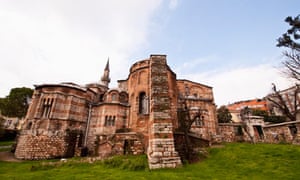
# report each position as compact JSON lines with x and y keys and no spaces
{"x":123,"y":96}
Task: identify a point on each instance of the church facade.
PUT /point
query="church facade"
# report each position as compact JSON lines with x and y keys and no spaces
{"x":138,"y":117}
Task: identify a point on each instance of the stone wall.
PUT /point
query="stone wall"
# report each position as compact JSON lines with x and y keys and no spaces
{"x":119,"y":144}
{"x":161,"y":150}
{"x":138,"y":83}
{"x":199,"y":99}
{"x":196,"y":144}
{"x":288,"y":132}
{"x":229,"y":132}
{"x":43,"y":147}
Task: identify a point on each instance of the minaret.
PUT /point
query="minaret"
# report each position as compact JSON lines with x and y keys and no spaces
{"x":105,"y":79}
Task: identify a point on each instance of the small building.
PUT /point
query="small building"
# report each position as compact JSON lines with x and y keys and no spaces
{"x":288,"y":98}
{"x":11,"y":123}
{"x":235,"y":108}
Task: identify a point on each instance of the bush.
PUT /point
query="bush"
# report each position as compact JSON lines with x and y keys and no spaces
{"x":274,"y":119}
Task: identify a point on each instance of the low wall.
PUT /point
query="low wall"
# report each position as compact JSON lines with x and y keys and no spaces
{"x":40,"y":147}
{"x":231,"y":132}
{"x":288,"y":132}
{"x":30,"y":146}
{"x":119,"y":144}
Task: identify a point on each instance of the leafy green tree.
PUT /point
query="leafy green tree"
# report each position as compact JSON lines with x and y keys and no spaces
{"x":16,"y":103}
{"x":268,"y":118}
{"x":275,"y":119}
{"x":223,"y":115}
{"x":291,"y":40}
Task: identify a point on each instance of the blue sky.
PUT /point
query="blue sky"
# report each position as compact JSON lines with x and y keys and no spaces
{"x":229,"y":45}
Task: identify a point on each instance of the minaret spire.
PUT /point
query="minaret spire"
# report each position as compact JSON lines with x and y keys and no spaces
{"x":107,"y":65}
{"x":105,"y":79}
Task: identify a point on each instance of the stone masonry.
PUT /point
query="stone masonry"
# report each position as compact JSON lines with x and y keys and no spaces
{"x":161,"y":149}
{"x":137,"y":117}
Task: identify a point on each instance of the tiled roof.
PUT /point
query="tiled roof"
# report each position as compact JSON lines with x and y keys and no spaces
{"x":253,"y":104}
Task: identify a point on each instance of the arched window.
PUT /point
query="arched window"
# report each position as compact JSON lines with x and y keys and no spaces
{"x":46,"y":108}
{"x":101,"y":98}
{"x":143,"y":103}
{"x":199,"y":121}
{"x":106,"y":121}
{"x":29,"y":125}
{"x":187,"y":90}
{"x":113,"y":120}
{"x":114,"y":97}
{"x":123,"y":98}
{"x":110,"y":120}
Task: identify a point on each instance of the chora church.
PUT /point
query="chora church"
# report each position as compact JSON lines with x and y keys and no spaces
{"x":140,"y":116}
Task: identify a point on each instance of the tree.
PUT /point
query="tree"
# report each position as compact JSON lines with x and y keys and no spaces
{"x":288,"y":105}
{"x":223,"y":115}
{"x":272,"y":118}
{"x":187,"y":117}
{"x":16,"y":103}
{"x":290,"y":40}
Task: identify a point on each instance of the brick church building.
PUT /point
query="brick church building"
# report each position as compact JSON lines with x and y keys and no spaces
{"x":140,"y":116}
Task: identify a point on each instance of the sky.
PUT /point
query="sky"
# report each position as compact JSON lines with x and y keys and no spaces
{"x":229,"y":45}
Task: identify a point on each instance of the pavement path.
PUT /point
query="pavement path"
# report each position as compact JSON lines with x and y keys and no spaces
{"x":9,"y":157}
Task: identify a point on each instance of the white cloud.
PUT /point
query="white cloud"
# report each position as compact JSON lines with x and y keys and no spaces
{"x":194,"y":64}
{"x":241,"y":83}
{"x":55,"y":41}
{"x":173,"y":4}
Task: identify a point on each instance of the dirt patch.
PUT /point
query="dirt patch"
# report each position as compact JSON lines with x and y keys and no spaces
{"x":217,"y":146}
{"x":9,"y":157}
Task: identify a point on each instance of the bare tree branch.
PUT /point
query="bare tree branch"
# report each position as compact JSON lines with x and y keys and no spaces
{"x":278,"y":101}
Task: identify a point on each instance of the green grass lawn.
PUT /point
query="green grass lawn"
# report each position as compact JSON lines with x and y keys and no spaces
{"x":6,"y":143}
{"x":234,"y":161}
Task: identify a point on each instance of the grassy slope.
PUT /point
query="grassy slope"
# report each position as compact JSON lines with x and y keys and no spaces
{"x":235,"y":161}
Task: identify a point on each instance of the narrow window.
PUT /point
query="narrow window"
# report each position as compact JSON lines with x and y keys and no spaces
{"x":29,"y":125}
{"x":143,"y":103}
{"x":187,"y":90}
{"x":109,"y":120}
{"x":114,"y":97}
{"x":46,"y":109}
{"x":101,"y":98}
{"x":113,"y":121}
{"x":106,"y":121}
{"x":199,"y":121}
{"x":123,"y":98}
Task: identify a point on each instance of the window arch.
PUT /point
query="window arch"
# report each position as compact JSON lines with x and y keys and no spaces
{"x":110,"y":120}
{"x":143,"y":103}
{"x":123,"y":98}
{"x":29,"y":125}
{"x":199,"y":121}
{"x":46,"y":107}
{"x":114,"y":97}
